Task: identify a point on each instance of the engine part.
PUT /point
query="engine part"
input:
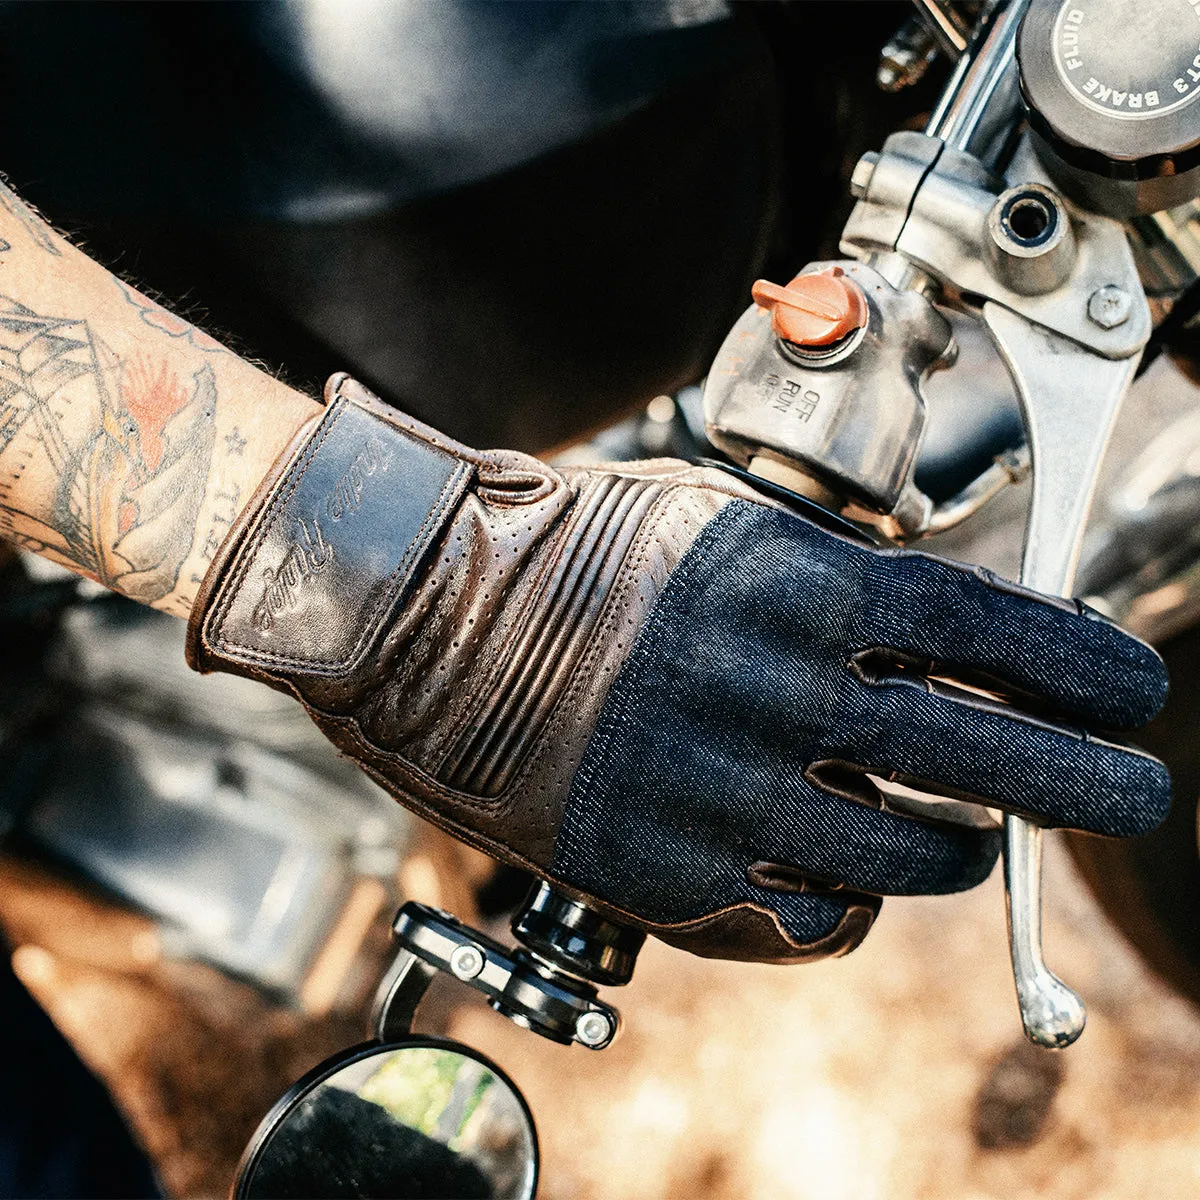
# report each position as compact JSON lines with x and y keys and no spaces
{"x":228,"y":819}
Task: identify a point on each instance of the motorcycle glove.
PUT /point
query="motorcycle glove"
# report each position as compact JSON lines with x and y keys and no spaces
{"x":664,"y":692}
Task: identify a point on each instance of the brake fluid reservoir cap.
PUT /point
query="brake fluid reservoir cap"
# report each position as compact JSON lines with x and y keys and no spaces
{"x":816,"y":309}
{"x":1112,"y":89}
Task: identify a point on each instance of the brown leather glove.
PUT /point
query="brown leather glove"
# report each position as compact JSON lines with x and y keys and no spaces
{"x":648,"y":684}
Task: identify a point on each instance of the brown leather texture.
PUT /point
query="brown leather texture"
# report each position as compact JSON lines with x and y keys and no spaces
{"x":748,"y":933}
{"x":453,"y":619}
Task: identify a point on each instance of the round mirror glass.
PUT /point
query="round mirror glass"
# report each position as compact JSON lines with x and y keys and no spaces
{"x":423,"y":1119}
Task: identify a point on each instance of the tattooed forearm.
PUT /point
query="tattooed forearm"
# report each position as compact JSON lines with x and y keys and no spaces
{"x":226,"y":506}
{"x":124,"y":448}
{"x":37,"y":229}
{"x":165,"y":321}
{"x":129,"y":439}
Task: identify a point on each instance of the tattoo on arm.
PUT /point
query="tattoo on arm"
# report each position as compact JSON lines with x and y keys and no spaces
{"x":228,"y":505}
{"x":37,"y":229}
{"x":165,"y":321}
{"x":125,"y":449}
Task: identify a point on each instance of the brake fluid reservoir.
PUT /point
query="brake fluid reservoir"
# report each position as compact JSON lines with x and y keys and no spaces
{"x":1111,"y":90}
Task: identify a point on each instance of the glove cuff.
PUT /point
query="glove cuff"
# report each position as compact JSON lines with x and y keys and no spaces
{"x":312,"y":571}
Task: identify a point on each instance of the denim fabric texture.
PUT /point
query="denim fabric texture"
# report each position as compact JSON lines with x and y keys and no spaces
{"x":742,"y":679}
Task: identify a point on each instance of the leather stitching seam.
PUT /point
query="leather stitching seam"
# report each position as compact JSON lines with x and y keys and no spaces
{"x":591,"y":652}
{"x":611,"y":722}
{"x":517,"y":632}
{"x":391,"y":758}
{"x":562,"y":712}
{"x":503,"y":803}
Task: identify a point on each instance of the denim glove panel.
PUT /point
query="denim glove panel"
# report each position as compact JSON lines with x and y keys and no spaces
{"x":782,"y":663}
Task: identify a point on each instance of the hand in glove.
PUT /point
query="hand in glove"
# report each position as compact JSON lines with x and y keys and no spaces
{"x":662,"y":691}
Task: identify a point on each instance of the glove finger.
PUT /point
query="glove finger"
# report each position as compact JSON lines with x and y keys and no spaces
{"x":806,"y":917}
{"x":1059,"y":651}
{"x":839,"y":834}
{"x":979,"y":749}
{"x":821,"y":920}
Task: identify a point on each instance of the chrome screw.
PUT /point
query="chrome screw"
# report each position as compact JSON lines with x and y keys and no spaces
{"x":593,"y":1029}
{"x":1109,"y":306}
{"x":467,"y":961}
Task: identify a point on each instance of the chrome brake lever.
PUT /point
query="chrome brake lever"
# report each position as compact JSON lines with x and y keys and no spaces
{"x":1070,"y":398}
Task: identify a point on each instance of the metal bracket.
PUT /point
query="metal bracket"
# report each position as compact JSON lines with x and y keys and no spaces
{"x":931,"y":204}
{"x":529,"y":991}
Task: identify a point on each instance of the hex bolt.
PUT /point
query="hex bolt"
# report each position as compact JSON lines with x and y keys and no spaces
{"x":1109,"y":306}
{"x":467,"y":961}
{"x":860,"y":179}
{"x":593,"y":1029}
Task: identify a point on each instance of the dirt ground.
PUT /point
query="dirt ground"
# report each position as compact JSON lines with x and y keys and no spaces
{"x":896,"y":1073}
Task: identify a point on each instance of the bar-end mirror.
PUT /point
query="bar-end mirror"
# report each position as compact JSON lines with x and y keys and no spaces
{"x":420,"y":1119}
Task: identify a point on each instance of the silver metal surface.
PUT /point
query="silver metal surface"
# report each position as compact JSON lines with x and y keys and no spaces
{"x":889,"y":182}
{"x":932,"y":206}
{"x":1030,"y":244}
{"x":1070,"y":399}
{"x":466,"y":962}
{"x":860,"y":177}
{"x":1053,"y":1015}
{"x":1007,"y":469}
{"x":593,"y":1029}
{"x":943,"y":21}
{"x":853,"y":423}
{"x":978,"y":108}
{"x":1109,"y":306}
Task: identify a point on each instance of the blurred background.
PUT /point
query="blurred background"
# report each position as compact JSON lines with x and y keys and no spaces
{"x":530,"y":224}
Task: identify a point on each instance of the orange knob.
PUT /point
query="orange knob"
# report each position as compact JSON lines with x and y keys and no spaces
{"x":814,"y":310}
